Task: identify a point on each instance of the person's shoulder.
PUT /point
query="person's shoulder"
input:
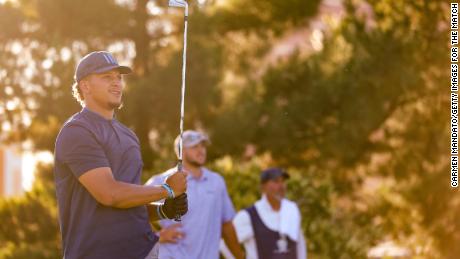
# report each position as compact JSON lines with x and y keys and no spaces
{"x":74,"y":126}
{"x":159,"y":178}
{"x":292,"y":205}
{"x":213,"y":175}
{"x":127,"y":131}
{"x":73,"y":133}
{"x":76,"y":122}
{"x":242,"y":217}
{"x":124,"y":127}
{"x":216,"y":178}
{"x":243,"y":212}
{"x":243,"y":226}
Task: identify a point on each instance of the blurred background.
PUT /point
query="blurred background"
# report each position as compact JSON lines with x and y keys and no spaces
{"x":351,"y":96}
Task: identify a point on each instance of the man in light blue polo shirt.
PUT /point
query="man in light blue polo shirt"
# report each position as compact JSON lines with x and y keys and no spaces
{"x":210,"y":213}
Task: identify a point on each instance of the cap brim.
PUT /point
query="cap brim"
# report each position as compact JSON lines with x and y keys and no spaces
{"x":285,"y":176}
{"x":196,"y":142}
{"x":275,"y":176}
{"x":122,"y":69}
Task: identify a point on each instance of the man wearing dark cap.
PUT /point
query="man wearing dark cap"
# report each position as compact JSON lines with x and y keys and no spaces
{"x":104,"y":212}
{"x":271,"y":228}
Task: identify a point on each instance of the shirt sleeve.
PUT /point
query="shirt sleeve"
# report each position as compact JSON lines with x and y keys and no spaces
{"x":301,"y":246}
{"x":228,"y":211}
{"x":155,"y":180}
{"x":225,"y":252}
{"x":243,"y":226}
{"x":78,"y":148}
{"x":160,"y":178}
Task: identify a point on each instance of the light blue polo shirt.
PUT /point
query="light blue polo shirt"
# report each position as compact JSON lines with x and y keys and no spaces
{"x":209,"y":206}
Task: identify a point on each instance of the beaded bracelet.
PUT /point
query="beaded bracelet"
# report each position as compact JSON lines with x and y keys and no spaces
{"x":169,"y":190}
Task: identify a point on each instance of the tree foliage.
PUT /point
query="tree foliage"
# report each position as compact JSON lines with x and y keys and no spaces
{"x":360,"y":123}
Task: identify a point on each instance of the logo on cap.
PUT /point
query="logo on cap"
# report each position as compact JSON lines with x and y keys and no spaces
{"x":109,"y":58}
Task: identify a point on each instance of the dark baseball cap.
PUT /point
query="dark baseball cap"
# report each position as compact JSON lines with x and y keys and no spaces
{"x":272,"y":174}
{"x":98,"y":62}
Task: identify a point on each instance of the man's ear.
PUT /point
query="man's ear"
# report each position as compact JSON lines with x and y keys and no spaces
{"x":84,"y":86}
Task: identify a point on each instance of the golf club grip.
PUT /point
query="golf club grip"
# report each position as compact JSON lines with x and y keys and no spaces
{"x":179,"y":165}
{"x":179,"y":169}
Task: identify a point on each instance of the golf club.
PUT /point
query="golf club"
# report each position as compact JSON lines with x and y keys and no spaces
{"x":182,"y":4}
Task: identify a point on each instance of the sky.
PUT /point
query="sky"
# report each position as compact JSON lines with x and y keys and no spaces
{"x":29,"y":162}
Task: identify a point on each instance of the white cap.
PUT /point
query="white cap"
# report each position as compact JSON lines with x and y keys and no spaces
{"x":190,"y":138}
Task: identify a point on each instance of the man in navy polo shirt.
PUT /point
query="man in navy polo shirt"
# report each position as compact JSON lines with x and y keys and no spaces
{"x":102,"y":206}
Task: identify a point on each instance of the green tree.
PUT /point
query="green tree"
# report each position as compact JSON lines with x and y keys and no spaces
{"x":361,"y":124}
{"x":371,"y":106}
{"x":29,"y":226}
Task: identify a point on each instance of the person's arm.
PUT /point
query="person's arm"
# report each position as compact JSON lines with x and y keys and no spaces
{"x":224,"y":251}
{"x":79,"y":149}
{"x":229,"y":236}
{"x":171,"y":234}
{"x":228,"y":230}
{"x":110,"y":192}
{"x":301,"y":246}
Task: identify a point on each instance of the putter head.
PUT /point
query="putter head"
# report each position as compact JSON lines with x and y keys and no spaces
{"x":178,"y":3}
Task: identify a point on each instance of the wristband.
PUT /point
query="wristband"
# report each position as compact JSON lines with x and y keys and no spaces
{"x":169,"y":190}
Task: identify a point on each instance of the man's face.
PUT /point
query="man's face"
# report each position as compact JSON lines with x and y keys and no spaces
{"x":275,"y":188}
{"x":196,"y":155}
{"x":105,"y":89}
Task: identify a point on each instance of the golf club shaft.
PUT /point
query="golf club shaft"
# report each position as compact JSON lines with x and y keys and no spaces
{"x":182,"y":103}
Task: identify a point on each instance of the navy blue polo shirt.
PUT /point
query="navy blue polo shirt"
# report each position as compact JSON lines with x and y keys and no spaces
{"x":90,"y":229}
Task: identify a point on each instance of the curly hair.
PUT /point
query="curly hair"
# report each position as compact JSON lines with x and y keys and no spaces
{"x":77,"y":94}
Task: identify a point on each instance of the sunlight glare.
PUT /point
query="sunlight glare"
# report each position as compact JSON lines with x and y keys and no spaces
{"x":29,"y":162}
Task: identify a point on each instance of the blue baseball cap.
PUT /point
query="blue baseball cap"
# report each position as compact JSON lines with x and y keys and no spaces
{"x":273,"y":174}
{"x":98,"y":62}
